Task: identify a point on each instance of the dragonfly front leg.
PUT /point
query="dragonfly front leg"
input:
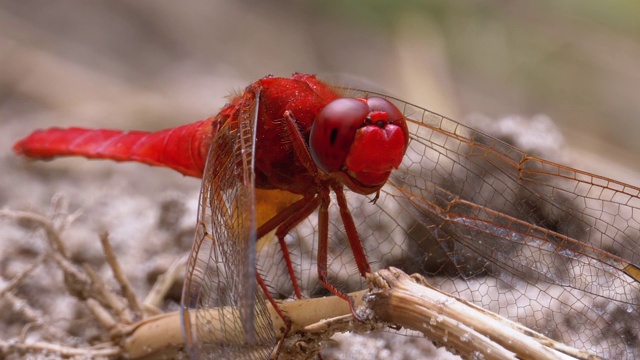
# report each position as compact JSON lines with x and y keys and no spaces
{"x":352,"y":233}
{"x":323,"y":258}
{"x":323,"y":189}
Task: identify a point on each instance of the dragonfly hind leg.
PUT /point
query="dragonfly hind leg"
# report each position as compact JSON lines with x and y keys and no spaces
{"x":284,"y":222}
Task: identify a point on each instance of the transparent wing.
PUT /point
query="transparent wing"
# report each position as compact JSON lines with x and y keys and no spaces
{"x":544,"y":244}
{"x":224,"y":312}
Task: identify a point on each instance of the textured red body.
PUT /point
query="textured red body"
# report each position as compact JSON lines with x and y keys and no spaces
{"x":185,"y":148}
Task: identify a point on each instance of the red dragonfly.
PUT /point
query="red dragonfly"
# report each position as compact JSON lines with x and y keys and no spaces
{"x":542,"y":243}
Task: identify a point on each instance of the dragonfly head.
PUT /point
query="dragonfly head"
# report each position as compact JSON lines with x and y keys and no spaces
{"x":360,"y":141}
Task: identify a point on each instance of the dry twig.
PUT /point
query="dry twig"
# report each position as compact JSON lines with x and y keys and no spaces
{"x":125,"y":285}
{"x":164,"y":282}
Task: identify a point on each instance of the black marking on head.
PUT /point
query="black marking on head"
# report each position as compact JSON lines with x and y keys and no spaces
{"x":334,"y":135}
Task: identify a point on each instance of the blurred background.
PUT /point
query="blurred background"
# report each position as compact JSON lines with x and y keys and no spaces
{"x":151,"y":64}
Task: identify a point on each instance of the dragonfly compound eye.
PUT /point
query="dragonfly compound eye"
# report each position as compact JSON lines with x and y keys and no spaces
{"x":366,"y":138}
{"x":333,"y":132}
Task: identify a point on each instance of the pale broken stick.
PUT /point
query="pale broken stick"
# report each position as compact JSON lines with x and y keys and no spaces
{"x":394,"y":298}
{"x":463,"y":327}
{"x":313,"y":321}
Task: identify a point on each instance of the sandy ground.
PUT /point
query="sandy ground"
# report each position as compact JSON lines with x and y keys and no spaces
{"x":138,"y":71}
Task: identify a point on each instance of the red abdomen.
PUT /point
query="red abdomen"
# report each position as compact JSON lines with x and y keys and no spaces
{"x":183,"y":148}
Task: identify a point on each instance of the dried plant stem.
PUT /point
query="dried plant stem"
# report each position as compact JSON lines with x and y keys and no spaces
{"x":82,"y":282}
{"x":125,"y":285}
{"x":318,"y":318}
{"x":50,"y":230}
{"x":63,"y":351}
{"x":18,"y":279}
{"x":164,"y":283}
{"x":461,"y":326}
{"x":394,"y":298}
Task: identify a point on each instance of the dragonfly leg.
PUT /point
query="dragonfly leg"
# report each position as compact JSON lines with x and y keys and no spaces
{"x":300,"y":146}
{"x":285,"y":318}
{"x":323,"y":243}
{"x":286,"y":220}
{"x":352,"y":233}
